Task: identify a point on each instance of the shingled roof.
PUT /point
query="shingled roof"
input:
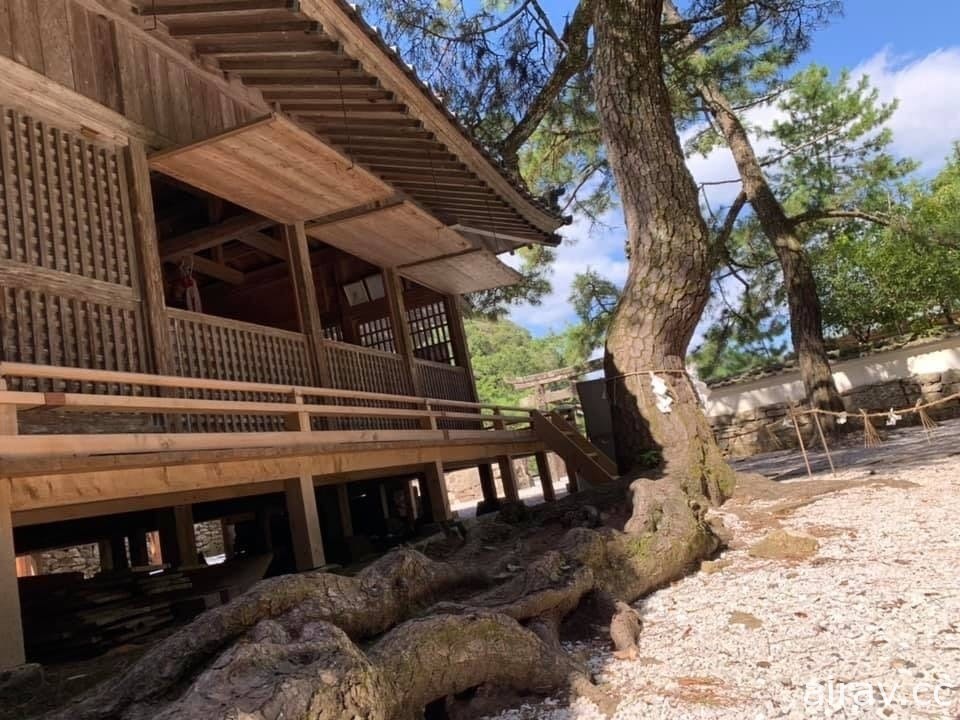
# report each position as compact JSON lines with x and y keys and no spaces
{"x":319,"y":62}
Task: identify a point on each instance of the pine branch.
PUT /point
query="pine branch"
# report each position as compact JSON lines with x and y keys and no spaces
{"x":576,"y":38}
{"x":818,"y":215}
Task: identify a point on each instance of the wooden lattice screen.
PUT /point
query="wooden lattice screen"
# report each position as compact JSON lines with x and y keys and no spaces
{"x":68,"y":283}
{"x":430,"y":332}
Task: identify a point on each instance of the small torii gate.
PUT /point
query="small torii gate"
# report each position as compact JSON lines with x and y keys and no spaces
{"x":556,"y":388}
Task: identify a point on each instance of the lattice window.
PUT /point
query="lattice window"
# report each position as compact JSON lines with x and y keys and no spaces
{"x":333,"y":332}
{"x":377,"y":334}
{"x":430,"y":331}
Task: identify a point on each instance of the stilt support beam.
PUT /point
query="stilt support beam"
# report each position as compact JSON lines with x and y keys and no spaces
{"x":546,"y":479}
{"x":436,"y":488}
{"x":178,"y":544}
{"x":487,"y":484}
{"x":304,"y":523}
{"x":511,"y":491}
{"x":346,"y":517}
{"x":11,"y":625}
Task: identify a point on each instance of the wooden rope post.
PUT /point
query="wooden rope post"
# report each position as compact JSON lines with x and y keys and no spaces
{"x":803,"y":448}
{"x":823,"y":439}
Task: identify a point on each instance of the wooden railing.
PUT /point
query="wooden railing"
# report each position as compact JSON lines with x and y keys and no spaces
{"x":444,"y":381}
{"x":353,"y":367}
{"x":206,"y":346}
{"x":215,"y":348}
{"x":293,"y":410}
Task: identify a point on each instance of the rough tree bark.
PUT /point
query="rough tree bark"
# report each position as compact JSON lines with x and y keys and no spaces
{"x":806,"y":320}
{"x":670,"y":254}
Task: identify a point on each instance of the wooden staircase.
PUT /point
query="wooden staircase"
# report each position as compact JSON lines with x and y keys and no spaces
{"x":563,"y":438}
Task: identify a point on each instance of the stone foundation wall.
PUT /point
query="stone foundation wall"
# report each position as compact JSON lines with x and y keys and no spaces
{"x":762,"y":429}
{"x":209,"y":537}
{"x":463,"y":486}
{"x":81,"y":558}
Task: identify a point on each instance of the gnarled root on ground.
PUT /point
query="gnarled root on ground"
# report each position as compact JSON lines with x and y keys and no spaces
{"x":289,"y":647}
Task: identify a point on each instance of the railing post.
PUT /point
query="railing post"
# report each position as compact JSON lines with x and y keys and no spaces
{"x":301,"y":499}
{"x":507,"y":475}
{"x":401,"y":328}
{"x":11,"y":624}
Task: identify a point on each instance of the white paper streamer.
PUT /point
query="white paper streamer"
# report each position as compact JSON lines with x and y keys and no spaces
{"x":893,"y":418}
{"x":662,"y":394}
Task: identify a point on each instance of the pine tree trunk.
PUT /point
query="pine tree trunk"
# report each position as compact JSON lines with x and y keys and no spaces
{"x":669,"y":252}
{"x":806,"y":318}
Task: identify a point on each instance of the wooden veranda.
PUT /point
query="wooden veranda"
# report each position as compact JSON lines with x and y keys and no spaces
{"x":234,"y":237}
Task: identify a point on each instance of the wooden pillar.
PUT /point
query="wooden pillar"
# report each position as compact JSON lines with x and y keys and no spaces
{"x":178,"y":544}
{"x":458,"y":338}
{"x":507,"y":475}
{"x":573,"y":483}
{"x":144,"y":228}
{"x":229,"y":533}
{"x":546,"y":479}
{"x":402,"y":337}
{"x":487,"y":485}
{"x":113,"y":553}
{"x":304,"y":523}
{"x":436,"y":488}
{"x":11,"y":624}
{"x":139,"y":554}
{"x":305,"y":291}
{"x":346,"y":517}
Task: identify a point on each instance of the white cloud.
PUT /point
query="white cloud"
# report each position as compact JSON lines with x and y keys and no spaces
{"x":600,"y":248}
{"x":927,"y":120}
{"x":924,"y":126}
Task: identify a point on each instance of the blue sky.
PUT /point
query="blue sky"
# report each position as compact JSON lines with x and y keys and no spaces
{"x":910,"y":50}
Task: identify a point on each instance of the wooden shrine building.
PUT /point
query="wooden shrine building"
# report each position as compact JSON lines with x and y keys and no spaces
{"x":233,"y":239}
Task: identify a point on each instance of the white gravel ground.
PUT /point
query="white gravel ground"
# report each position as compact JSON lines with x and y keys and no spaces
{"x":868,"y":627}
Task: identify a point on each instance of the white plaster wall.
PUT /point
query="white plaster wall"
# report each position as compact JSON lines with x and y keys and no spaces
{"x":934,"y":357}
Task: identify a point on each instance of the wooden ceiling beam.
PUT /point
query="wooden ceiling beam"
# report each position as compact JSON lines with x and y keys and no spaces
{"x":344,"y":133}
{"x":330,"y":96}
{"x":380,"y":161}
{"x":212,"y":236}
{"x":152,"y":8}
{"x":187,"y":31}
{"x":312,"y":82}
{"x":266,"y":45}
{"x":265,"y":244}
{"x":215,"y":270}
{"x":246,"y":65}
{"x":359,"y":110}
{"x":386,"y":146}
{"x":329,"y":122}
{"x":355,"y":212}
{"x":461,"y":179}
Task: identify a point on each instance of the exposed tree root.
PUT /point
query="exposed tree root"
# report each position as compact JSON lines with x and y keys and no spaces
{"x":288,"y":648}
{"x":383,"y":594}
